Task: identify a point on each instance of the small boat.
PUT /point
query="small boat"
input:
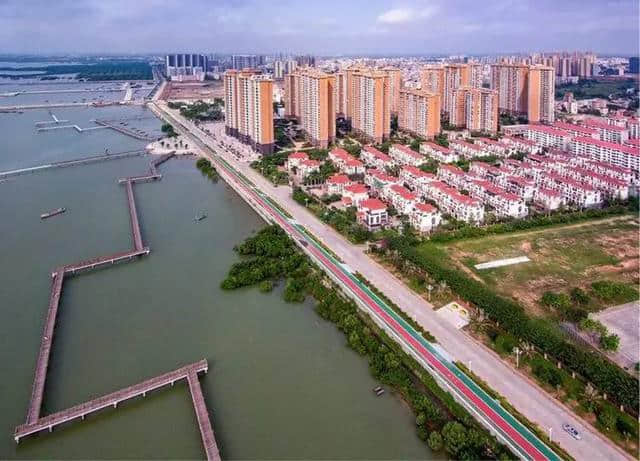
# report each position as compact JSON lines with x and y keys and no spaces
{"x":53,"y":213}
{"x":200,"y":217}
{"x":380,"y":392}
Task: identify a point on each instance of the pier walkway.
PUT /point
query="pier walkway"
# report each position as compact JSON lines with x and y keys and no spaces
{"x":42,"y":363}
{"x":75,"y":127}
{"x":202,"y":415}
{"x":133,"y":214}
{"x":188,"y":372}
{"x":34,"y":422}
{"x":116,"y":126}
{"x":74,"y":162}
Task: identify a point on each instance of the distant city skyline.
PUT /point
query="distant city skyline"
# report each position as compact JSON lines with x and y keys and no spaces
{"x":374,"y":27}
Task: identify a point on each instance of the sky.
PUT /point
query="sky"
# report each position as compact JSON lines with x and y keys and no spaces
{"x":326,"y":27}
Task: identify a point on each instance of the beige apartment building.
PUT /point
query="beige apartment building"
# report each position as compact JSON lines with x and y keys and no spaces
{"x":248,"y":99}
{"x":525,"y":90}
{"x":475,"y":109}
{"x":511,"y":82}
{"x":395,"y":86}
{"x":541,"y":94}
{"x":419,"y":113}
{"x":369,"y":103}
{"x":445,"y":80}
{"x":310,"y":97}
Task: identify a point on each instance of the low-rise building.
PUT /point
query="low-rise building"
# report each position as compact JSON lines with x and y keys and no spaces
{"x":522,"y":187}
{"x":547,"y":136}
{"x":438,"y":152}
{"x":404,"y":155}
{"x":619,"y":155}
{"x":573,"y":192}
{"x":577,"y":130}
{"x":294,"y":159}
{"x":467,"y":149}
{"x":372,"y":157}
{"x":424,"y":217}
{"x":608,"y":132}
{"x":451,"y":201}
{"x":453,"y":176}
{"x":492,"y":147}
{"x":414,"y":178}
{"x":377,"y":180}
{"x":548,"y":199}
{"x":402,"y":199}
{"x":372,"y":213}
{"x":336,"y":183}
{"x":353,"y":194}
{"x":505,"y":204}
{"x":517,"y":144}
{"x":306,"y":167}
{"x":346,"y":162}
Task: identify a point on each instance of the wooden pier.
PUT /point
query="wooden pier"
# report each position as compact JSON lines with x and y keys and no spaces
{"x":100,"y":261}
{"x":74,"y":162}
{"x":133,"y":214}
{"x":126,"y":131}
{"x":202,"y":415}
{"x":34,"y":422}
{"x":42,"y":363}
{"x":189,"y":372}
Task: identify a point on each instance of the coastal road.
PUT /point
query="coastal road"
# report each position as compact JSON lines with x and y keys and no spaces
{"x":524,"y":395}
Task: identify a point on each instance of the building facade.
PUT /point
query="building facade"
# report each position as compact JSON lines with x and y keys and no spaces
{"x":419,"y":113}
{"x":310,"y":99}
{"x":248,"y":99}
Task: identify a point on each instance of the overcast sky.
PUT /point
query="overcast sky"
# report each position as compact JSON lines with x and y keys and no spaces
{"x":325,"y":27}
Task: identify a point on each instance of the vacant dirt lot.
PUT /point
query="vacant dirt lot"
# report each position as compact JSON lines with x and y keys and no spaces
{"x":561,"y":258}
{"x":195,"y":91}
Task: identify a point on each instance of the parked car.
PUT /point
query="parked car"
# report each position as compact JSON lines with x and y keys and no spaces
{"x":572,"y":431}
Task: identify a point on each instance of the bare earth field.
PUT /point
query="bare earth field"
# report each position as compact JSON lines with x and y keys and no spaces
{"x":195,"y":90}
{"x":561,"y":258}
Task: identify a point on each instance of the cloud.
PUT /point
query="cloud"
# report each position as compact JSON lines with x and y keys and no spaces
{"x":404,"y":15}
{"x":396,"y":16}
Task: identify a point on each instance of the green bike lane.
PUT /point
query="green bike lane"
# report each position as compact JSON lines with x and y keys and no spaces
{"x":518,"y":437}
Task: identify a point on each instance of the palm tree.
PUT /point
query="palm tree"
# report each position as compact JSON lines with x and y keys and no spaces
{"x":591,"y":396}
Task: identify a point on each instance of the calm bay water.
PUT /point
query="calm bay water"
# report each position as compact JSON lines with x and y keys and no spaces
{"x":282,"y":384}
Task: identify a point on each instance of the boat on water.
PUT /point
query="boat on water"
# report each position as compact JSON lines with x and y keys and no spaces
{"x":52,"y":213}
{"x":200,"y":217}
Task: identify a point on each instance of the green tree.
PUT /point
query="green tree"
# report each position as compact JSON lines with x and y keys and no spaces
{"x":454,"y":436}
{"x":610,"y":342}
{"x":435,"y":441}
{"x":607,"y":417}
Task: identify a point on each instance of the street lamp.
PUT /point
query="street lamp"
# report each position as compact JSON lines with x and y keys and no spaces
{"x":429,"y":289}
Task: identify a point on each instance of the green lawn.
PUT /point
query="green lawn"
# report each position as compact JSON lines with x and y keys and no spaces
{"x":561,"y":258}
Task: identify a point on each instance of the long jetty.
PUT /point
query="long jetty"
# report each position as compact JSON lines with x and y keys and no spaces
{"x":73,"y":162}
{"x":80,"y":411}
{"x":202,"y":415}
{"x":34,"y":422}
{"x":128,"y":132}
{"x":133,"y":214}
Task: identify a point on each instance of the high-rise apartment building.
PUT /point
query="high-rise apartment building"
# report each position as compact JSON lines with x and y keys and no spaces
{"x":541,"y":94}
{"x":419,"y":113}
{"x":341,"y":94}
{"x":368,"y":103}
{"x":395,"y":86}
{"x":246,"y":61}
{"x":511,"y":82}
{"x":310,"y":98}
{"x":186,"y":67}
{"x":476,"y":109}
{"x":278,"y":69}
{"x":525,"y":90}
{"x":249,"y":108}
{"x":445,"y":80}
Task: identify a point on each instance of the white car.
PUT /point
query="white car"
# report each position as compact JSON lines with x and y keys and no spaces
{"x":572,"y":431}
